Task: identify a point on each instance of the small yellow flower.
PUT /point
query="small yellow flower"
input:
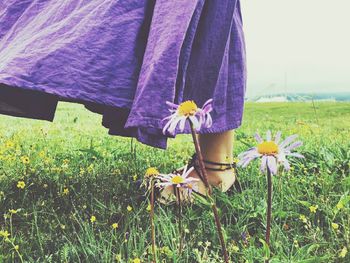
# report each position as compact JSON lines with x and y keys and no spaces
{"x":134,"y":177}
{"x":65,"y":191}
{"x":340,"y":205}
{"x":25,"y":159}
{"x":136,"y":260}
{"x":90,"y":169}
{"x":148,"y":208}
{"x":335,"y":226}
{"x":303,"y":218}
{"x":129,"y":208}
{"x":296,"y":243}
{"x":41,"y":154}
{"x":63,"y":227}
{"x":9,"y":144}
{"x":187,"y":231}
{"x":343,"y":252}
{"x":93,"y":219}
{"x":21,"y":184}
{"x":115,"y":225}
{"x":4,"y":234}
{"x":236,"y":160}
{"x":13,"y":211}
{"x":313,"y":209}
{"x":235,"y":249}
{"x":151,"y":172}
{"x":17,"y":247}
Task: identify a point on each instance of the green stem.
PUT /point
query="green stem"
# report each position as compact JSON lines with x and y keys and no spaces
{"x":179,"y":212}
{"x":209,"y":192}
{"x":153,"y":234}
{"x":269,"y":207}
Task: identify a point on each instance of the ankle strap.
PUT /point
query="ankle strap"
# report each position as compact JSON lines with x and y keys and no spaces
{"x":223,"y":166}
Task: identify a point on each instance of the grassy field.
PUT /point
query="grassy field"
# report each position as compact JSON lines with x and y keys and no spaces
{"x":55,"y":178}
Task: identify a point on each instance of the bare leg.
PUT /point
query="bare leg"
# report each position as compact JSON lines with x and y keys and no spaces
{"x":217,"y":147}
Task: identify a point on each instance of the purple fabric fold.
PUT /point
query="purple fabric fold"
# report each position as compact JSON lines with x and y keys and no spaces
{"x":123,"y":59}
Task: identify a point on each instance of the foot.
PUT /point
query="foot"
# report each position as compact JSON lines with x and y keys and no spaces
{"x":219,"y":179}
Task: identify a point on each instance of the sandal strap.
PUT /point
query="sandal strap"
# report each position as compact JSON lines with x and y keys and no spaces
{"x":223,"y":166}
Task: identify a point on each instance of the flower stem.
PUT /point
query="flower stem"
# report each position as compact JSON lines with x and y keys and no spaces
{"x":179,"y":212}
{"x":209,"y":192}
{"x":152,"y":223}
{"x":200,"y":158}
{"x":269,"y":207}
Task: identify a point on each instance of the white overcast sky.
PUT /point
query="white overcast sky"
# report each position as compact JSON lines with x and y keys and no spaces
{"x":306,"y":42}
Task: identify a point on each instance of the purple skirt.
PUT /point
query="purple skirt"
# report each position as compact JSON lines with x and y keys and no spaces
{"x":123,"y":59}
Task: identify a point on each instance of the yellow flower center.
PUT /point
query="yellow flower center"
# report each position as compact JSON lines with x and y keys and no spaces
{"x":268,"y":148}
{"x":188,"y":108}
{"x":177,"y":179}
{"x":151,"y":172}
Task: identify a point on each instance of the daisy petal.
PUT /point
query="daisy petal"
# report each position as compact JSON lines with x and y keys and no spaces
{"x":258,"y":138}
{"x":182,"y":124}
{"x":298,"y":155}
{"x":288,"y":140}
{"x":278,"y":137}
{"x":294,"y":145}
{"x":272,"y":164}
{"x":263,"y":163}
{"x":268,"y":135}
{"x":173,"y":105}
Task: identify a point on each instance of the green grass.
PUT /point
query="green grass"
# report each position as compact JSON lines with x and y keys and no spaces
{"x":99,"y":170}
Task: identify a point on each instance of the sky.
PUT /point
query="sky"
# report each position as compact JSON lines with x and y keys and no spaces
{"x":297,"y":45}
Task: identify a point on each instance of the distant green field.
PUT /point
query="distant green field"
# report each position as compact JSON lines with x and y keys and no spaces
{"x":72,"y":170}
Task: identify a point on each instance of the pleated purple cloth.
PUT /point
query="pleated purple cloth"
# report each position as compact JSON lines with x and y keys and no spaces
{"x":123,"y":59}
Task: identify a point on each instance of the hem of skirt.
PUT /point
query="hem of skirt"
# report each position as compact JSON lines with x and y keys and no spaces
{"x":156,"y":123}
{"x":77,"y":97}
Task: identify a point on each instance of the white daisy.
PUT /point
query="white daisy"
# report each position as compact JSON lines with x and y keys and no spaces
{"x":178,"y":180}
{"x":271,"y":152}
{"x":188,"y":110}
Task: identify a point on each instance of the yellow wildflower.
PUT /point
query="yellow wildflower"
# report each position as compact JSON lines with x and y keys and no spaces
{"x":25,"y":159}
{"x":21,"y":184}
{"x":90,"y":169}
{"x":4,"y":234}
{"x":134,"y":177}
{"x":148,"y":208}
{"x":343,"y":252}
{"x":313,"y":208}
{"x":13,"y":211}
{"x":17,"y":247}
{"x":136,"y":260}
{"x":9,"y":144}
{"x":235,"y":248}
{"x":115,"y":225}
{"x":41,"y":154}
{"x":151,"y":172}
{"x":335,"y":226}
{"x":129,"y":208}
{"x":340,"y":205}
{"x":303,"y":218}
{"x":93,"y":219}
{"x":65,"y":191}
